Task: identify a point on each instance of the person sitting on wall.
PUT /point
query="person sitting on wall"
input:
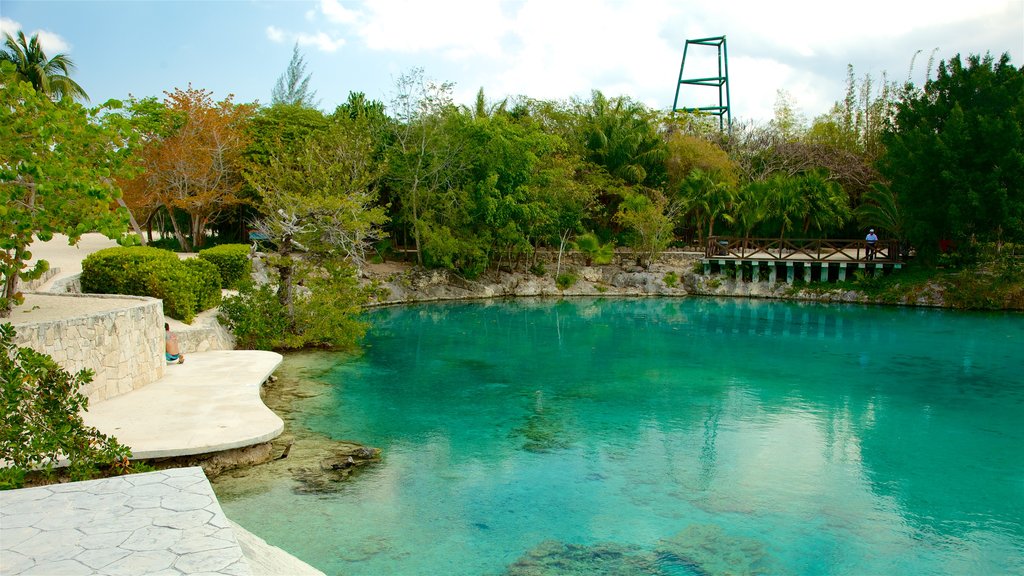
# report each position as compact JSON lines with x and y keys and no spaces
{"x":172,"y":351}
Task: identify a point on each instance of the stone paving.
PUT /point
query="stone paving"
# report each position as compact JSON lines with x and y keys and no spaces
{"x":164,"y":523}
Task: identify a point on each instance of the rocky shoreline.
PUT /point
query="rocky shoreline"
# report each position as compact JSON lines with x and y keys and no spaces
{"x":674,"y":274}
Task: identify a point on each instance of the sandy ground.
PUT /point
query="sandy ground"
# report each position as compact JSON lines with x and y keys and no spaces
{"x":65,"y":260}
{"x":66,"y":257}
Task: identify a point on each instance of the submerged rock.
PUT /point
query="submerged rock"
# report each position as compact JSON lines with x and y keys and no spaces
{"x":552,"y":557}
{"x":709,"y":550}
{"x":344,"y":459}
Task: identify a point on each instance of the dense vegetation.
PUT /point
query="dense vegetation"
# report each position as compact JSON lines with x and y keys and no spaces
{"x":485,"y":186}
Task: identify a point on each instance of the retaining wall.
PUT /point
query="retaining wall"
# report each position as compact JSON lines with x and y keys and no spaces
{"x":123,"y":345}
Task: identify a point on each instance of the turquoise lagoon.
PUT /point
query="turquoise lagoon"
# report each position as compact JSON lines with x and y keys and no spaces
{"x":664,"y":436}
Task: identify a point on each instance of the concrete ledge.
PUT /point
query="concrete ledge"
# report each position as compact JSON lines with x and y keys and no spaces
{"x":208,"y":404}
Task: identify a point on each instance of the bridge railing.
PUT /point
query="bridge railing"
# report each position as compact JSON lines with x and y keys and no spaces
{"x":802,"y":250}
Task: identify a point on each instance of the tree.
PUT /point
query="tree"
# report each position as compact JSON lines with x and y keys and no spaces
{"x":292,"y":87}
{"x":58,"y":163}
{"x":49,"y":76}
{"x":649,"y":223}
{"x":191,"y":158}
{"x":955,"y":154}
{"x":706,"y":200}
{"x":621,"y":135}
{"x":320,"y":201}
{"x":425,"y":157}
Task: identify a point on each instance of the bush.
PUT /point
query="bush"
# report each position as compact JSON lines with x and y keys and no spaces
{"x":565,"y":280}
{"x":185,"y":288}
{"x":41,"y":408}
{"x":671,"y":279}
{"x":255,"y":317}
{"x":122,"y":270}
{"x":231,"y":260}
{"x":207,"y":282}
{"x":325,"y":317}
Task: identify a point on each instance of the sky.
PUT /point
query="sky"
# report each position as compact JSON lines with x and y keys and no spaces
{"x":549,"y":49}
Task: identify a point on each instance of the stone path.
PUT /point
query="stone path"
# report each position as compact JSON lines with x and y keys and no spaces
{"x":162,"y":523}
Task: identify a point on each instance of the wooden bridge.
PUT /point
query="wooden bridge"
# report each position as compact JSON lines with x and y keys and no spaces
{"x":813,"y":259}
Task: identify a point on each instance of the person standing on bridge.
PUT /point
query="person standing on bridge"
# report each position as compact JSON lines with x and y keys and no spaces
{"x":871,"y":240}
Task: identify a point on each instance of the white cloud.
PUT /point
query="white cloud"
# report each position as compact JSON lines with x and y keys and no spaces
{"x":321,"y":41}
{"x":453,"y":28}
{"x":51,"y":42}
{"x":275,"y":34}
{"x":556,"y":49}
{"x":8,"y":26}
{"x":336,"y":13}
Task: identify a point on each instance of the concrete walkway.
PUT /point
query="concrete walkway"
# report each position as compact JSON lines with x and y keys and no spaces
{"x":208,"y":404}
{"x":166,"y":522}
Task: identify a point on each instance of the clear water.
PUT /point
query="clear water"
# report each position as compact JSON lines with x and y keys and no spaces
{"x":770,"y":437}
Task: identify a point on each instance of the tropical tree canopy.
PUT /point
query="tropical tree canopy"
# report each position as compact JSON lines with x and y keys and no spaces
{"x":49,"y":76}
{"x":955,"y":154}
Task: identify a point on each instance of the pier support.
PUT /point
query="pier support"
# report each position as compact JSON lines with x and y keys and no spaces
{"x":789,"y":272}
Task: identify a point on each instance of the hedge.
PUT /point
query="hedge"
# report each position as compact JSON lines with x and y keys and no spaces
{"x":232,"y":260}
{"x":185,"y":287}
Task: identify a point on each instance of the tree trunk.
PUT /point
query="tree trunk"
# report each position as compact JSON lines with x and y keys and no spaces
{"x":285,"y":273}
{"x":10,"y":289}
{"x":134,"y":223}
{"x":561,"y":248}
{"x":182,"y":241}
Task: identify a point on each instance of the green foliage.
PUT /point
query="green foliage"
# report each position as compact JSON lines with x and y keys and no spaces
{"x":671,"y":279}
{"x":41,"y":409}
{"x":185,"y":287}
{"x":292,"y":87}
{"x":566,"y":280}
{"x":955,"y":155}
{"x":620,"y":134}
{"x":594,"y":252}
{"x":231,"y":260}
{"x":58,"y":162}
{"x":650,"y":226}
{"x":48,"y":76}
{"x":538,"y":269}
{"x":118,"y":270}
{"x":206,"y":282}
{"x":255,"y":317}
{"x":327,"y":316}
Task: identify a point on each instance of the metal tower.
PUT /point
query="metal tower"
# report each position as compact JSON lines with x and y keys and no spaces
{"x":721,"y":81}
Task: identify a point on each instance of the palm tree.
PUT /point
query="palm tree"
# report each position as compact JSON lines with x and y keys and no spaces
{"x":48,"y":76}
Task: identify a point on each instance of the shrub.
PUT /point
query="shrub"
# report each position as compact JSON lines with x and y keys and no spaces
{"x":565,"y":280}
{"x":206,"y":282}
{"x":231,"y":260}
{"x":121,"y":270}
{"x":255,"y":317}
{"x":41,"y":408}
{"x":671,"y":279}
{"x":593,"y":251}
{"x":325,"y":317}
{"x":185,"y":288}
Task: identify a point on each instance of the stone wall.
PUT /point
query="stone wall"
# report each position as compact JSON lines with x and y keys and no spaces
{"x":123,"y":345}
